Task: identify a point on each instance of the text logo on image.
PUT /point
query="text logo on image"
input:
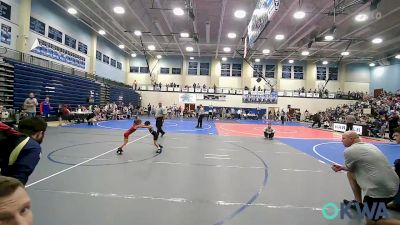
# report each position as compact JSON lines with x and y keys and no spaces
{"x":331,"y":211}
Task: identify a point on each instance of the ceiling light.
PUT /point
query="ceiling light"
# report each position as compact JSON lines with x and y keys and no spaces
{"x":159,"y":56}
{"x":240,"y":14}
{"x":397,"y":56}
{"x":121,"y":46}
{"x":377,"y":40}
{"x":257,"y":60}
{"x":299,"y":15}
{"x":119,"y":10}
{"x":224,"y":59}
{"x":325,"y":62}
{"x":266,"y":51}
{"x":178,"y":11}
{"x":133,"y":55}
{"x":137,"y":33}
{"x":184,"y":35}
{"x":227,"y":49}
{"x":72,"y":11}
{"x":291,"y":61}
{"x":345,"y":53}
{"x":151,"y":47}
{"x":361,"y":17}
{"x":191,"y":58}
{"x":329,"y":37}
{"x":189,"y":49}
{"x":102,"y":32}
{"x":231,"y":35}
{"x":305,"y":53}
{"x":280,"y":37}
{"x":372,"y":64}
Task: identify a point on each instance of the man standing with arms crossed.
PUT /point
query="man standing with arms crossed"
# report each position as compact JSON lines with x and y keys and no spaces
{"x":160,"y":116}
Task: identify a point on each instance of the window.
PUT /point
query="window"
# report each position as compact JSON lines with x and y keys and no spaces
{"x":333,"y":73}
{"x":225,"y":70}
{"x":270,"y":71}
{"x":204,"y":69}
{"x":164,"y":70}
{"x":144,"y":69}
{"x":192,"y":70}
{"x":257,"y":71}
{"x":113,"y":62}
{"x":134,"y":69}
{"x":176,"y":70}
{"x":236,"y":70}
{"x":287,"y":72}
{"x":298,"y":72}
{"x":106,"y":59}
{"x":321,"y":73}
{"x":98,"y":55}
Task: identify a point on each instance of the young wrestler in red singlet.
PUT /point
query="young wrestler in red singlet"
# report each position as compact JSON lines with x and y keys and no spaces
{"x":136,"y":125}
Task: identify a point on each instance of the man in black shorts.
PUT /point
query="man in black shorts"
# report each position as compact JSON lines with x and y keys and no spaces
{"x":155,"y":137}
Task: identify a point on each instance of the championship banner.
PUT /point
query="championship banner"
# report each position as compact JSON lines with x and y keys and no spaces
{"x":262,"y":14}
{"x":268,"y":98}
{"x":211,"y":97}
{"x":187,"y":98}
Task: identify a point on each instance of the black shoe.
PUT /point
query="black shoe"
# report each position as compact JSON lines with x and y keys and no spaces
{"x":161,"y":146}
{"x":159,"y":151}
{"x":119,"y":151}
{"x":353,"y":204}
{"x":162,"y":135}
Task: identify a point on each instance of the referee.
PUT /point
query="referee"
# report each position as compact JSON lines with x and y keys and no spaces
{"x":160,"y":115}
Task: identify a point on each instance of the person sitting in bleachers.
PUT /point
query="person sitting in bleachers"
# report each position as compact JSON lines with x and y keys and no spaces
{"x":269,"y":132}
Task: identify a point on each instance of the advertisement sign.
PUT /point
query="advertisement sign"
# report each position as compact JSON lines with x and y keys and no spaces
{"x":341,"y":127}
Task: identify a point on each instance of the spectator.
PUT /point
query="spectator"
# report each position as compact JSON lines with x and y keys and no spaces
{"x":317,"y":120}
{"x":45,"y":107}
{"x":135,"y":85}
{"x":25,"y":149}
{"x":368,"y":172}
{"x":15,"y":203}
{"x":30,"y":105}
{"x":350,"y":120}
{"x":393,"y":123}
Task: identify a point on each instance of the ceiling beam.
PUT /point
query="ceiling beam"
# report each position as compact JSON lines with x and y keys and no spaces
{"x":362,"y":27}
{"x":119,"y":30}
{"x":221,"y":22}
{"x":81,"y":12}
{"x":169,"y":27}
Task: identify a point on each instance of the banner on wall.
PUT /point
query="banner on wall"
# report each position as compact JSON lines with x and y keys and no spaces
{"x":267,"y":98}
{"x":187,"y":98}
{"x":47,"y":49}
{"x":215,"y":97}
{"x":5,"y":34}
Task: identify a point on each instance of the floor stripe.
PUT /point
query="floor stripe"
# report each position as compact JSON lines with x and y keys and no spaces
{"x":325,"y":143}
{"x":212,"y":157}
{"x":86,"y":161}
{"x":177,"y":200}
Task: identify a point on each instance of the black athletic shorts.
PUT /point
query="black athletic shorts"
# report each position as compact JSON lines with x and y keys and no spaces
{"x":368,"y":201}
{"x":155,"y":135}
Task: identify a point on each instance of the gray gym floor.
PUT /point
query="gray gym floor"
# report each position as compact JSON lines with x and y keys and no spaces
{"x":197,"y":180}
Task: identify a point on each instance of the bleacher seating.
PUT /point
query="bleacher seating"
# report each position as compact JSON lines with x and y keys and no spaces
{"x":123,"y":94}
{"x":62,"y":88}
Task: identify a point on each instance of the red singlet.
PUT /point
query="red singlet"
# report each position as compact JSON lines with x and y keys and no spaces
{"x":130,"y":131}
